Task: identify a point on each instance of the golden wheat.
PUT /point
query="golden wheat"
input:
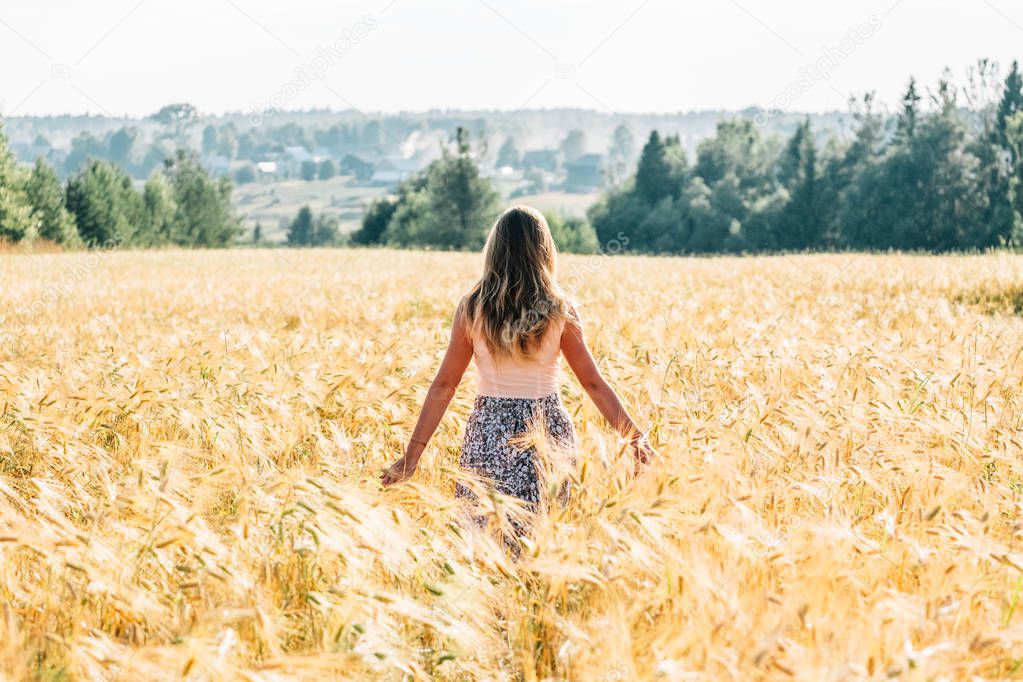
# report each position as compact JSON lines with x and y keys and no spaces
{"x":189,"y":447}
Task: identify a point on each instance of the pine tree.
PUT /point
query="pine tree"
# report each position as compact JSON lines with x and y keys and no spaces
{"x":326,"y":231}
{"x":209,"y":140}
{"x":300,"y":232}
{"x":106,"y":208}
{"x":203,"y":212}
{"x":375,"y":221}
{"x":46,"y":196}
{"x":509,"y":154}
{"x":620,"y":154}
{"x":1014,"y":137}
{"x":461,"y":203}
{"x":159,"y":209}
{"x":654,"y":174}
{"x":574,"y":145}
{"x":17,"y":220}
{"x":791,"y":162}
{"x":328,"y":169}
{"x":906,"y":124}
{"x":1012,"y":100}
{"x":799,"y":223}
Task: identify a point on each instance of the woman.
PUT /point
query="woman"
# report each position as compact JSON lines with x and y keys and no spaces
{"x":515,"y":322}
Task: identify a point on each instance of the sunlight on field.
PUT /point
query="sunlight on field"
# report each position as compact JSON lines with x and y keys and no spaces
{"x":189,"y":444}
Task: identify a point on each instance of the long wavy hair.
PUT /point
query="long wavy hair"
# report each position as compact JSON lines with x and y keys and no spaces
{"x":517,"y":299}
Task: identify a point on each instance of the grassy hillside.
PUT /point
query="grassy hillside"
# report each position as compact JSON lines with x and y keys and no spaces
{"x":271,"y":203}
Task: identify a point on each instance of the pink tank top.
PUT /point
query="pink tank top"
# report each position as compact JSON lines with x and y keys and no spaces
{"x":536,"y":375}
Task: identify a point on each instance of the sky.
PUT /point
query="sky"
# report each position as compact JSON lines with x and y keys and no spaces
{"x":130,"y":57}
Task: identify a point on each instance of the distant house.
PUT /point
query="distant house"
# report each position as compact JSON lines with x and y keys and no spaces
{"x":585,"y":174}
{"x":544,"y":159}
{"x":266,"y":170}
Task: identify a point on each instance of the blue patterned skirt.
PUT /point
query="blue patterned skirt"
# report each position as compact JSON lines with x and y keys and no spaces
{"x":492,"y":448}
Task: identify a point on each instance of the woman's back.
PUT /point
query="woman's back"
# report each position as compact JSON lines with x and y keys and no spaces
{"x":519,"y":380}
{"x":534,"y":375}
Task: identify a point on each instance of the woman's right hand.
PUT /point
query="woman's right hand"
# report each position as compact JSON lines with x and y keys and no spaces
{"x":399,"y":471}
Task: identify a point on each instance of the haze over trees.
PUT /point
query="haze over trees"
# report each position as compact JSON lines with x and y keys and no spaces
{"x":449,"y":205}
{"x":937,"y":178}
{"x":944,"y":172}
{"x":180,"y":204}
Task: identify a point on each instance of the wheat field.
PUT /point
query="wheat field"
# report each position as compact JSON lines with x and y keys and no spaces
{"x":190,"y":444}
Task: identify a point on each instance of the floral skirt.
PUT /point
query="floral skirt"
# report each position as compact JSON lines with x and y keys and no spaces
{"x":496,"y":447}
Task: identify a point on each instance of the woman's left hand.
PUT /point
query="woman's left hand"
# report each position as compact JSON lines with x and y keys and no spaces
{"x":399,"y":471}
{"x":643,"y":453}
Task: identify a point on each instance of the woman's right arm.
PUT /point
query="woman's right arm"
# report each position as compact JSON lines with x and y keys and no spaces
{"x":573,"y":346}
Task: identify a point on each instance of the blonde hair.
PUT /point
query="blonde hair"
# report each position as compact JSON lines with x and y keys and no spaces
{"x":517,"y":298}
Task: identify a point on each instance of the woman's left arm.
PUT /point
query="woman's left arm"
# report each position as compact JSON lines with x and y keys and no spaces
{"x":456,"y":359}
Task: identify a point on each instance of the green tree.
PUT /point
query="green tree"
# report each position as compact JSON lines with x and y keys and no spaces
{"x":923,"y":193}
{"x":449,"y":205}
{"x":799,"y":223}
{"x":717,"y":213}
{"x":463,"y":203}
{"x":1011,"y":102}
{"x":1009,"y":107}
{"x":300,"y":231}
{"x":17,"y":219}
{"x":738,"y":148}
{"x":119,"y":147}
{"x":106,"y":207}
{"x":654,"y":176}
{"x":328,"y":169}
{"x":375,"y":221}
{"x":906,"y":125}
{"x":203,"y":212}
{"x":574,"y":145}
{"x":227,"y":141}
{"x":623,"y":211}
{"x":178,"y":119}
{"x":621,"y":154}
{"x":84,"y":146}
{"x":175,"y":114}
{"x":509,"y":154}
{"x":989,"y":146}
{"x":326,"y":231}
{"x":309,"y":170}
{"x":572,"y":235}
{"x":159,"y":209}
{"x":46,"y":197}
{"x":210,"y":140}
{"x":245,"y":174}
{"x":1014,"y":138}
{"x":843,"y":225}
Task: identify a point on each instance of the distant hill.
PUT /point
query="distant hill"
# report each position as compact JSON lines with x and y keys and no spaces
{"x":231,"y":140}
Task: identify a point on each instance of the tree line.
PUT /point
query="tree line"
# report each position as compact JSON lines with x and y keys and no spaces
{"x":180,"y":204}
{"x":939,"y":175}
{"x":451,"y":205}
{"x":944,"y":177}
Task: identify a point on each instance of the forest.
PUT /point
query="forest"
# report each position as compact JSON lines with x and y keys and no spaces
{"x":942,"y":173}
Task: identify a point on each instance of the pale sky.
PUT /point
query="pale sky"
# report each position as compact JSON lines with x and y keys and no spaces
{"x":131,"y":57}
